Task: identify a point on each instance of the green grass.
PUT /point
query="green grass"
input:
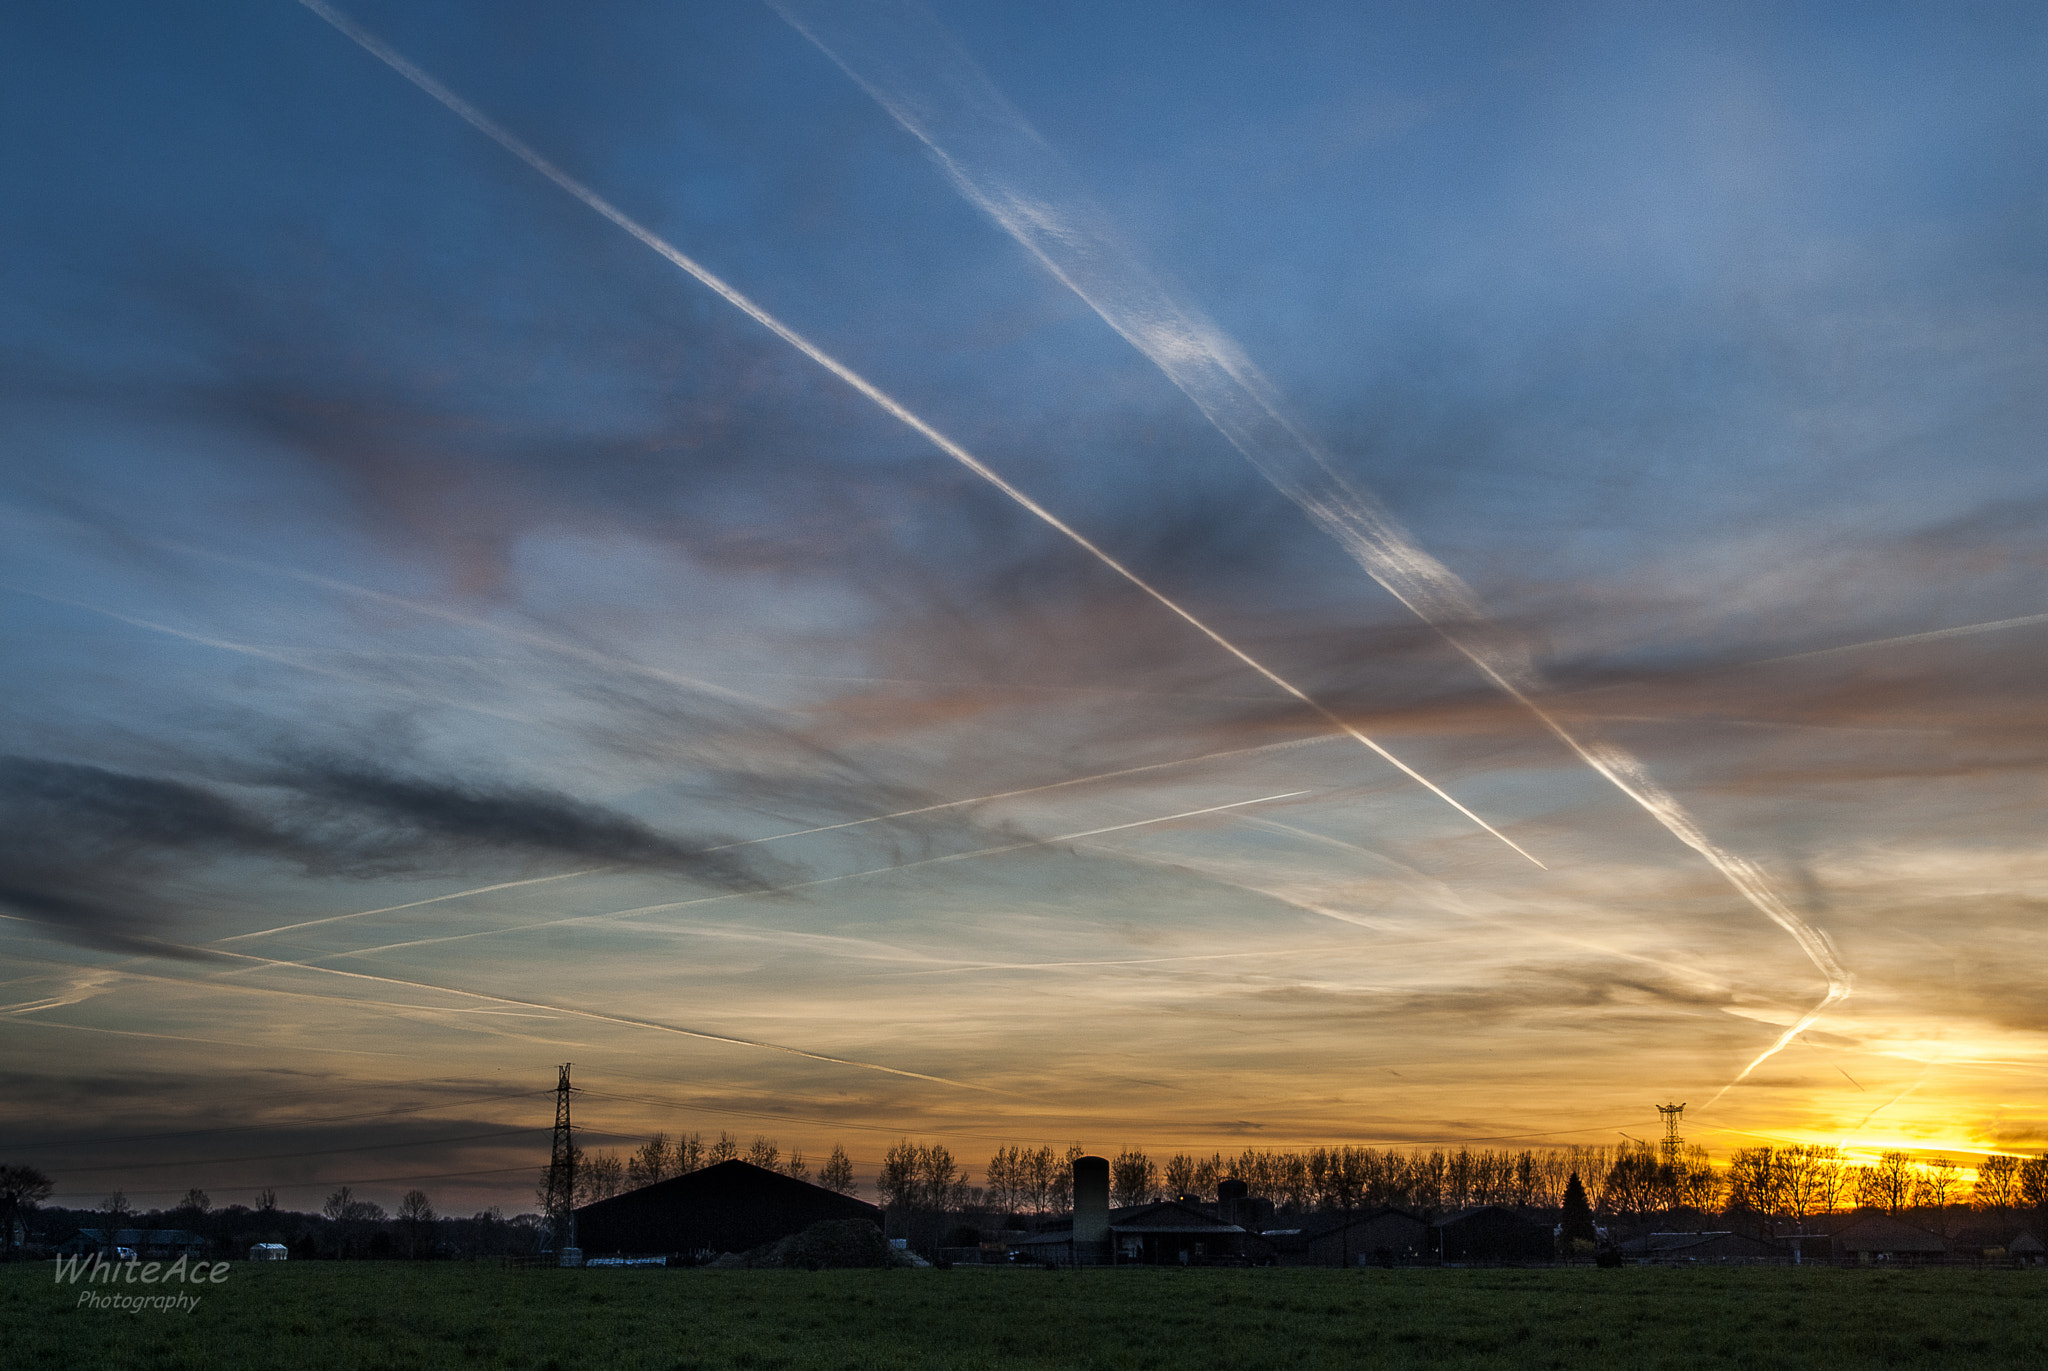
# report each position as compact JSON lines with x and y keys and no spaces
{"x":346,"y":1315}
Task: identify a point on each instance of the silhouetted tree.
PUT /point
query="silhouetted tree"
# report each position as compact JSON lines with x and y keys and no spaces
{"x":1936,"y":1184}
{"x":1998,"y":1183}
{"x":2034,"y":1182}
{"x":603,"y":1177}
{"x":837,"y":1172}
{"x":416,"y":1213}
{"x":1133,"y":1178}
{"x":1578,"y":1214}
{"x":118,"y":1212}
{"x":22,"y":1188}
{"x":1887,"y":1185}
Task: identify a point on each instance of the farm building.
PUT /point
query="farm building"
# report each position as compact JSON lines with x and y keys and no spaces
{"x":730,"y":1207}
{"x":1361,"y":1237}
{"x":1877,"y":1237}
{"x":1494,"y":1236}
{"x":1999,"y":1243}
{"x":1712,"y":1249}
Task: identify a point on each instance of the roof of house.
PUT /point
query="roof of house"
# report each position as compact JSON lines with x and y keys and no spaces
{"x":1168,"y":1217}
{"x":1984,"y":1237}
{"x":1321,"y":1225}
{"x":1882,"y":1233}
{"x":1717,"y":1244}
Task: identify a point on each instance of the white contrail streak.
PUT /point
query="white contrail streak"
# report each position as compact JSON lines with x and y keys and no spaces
{"x":414,"y":904}
{"x":898,"y":53}
{"x":621,"y":1019}
{"x":950,"y":857}
{"x":504,"y":138}
{"x":1027,"y":790}
{"x":1933,"y":635}
{"x":795,"y":833}
{"x":270,"y":655}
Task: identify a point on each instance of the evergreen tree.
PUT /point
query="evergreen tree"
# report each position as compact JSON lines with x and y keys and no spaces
{"x":1578,"y":1213}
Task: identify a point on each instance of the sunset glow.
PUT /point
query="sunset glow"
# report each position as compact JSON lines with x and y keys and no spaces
{"x":1181,"y":579}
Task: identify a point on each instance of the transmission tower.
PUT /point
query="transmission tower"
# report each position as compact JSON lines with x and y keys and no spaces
{"x":562,"y":1164}
{"x":1672,"y":1113}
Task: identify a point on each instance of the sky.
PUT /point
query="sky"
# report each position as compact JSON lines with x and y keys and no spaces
{"x":1173,"y":576}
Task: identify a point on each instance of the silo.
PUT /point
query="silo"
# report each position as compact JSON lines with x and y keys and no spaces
{"x":1091,"y":1200}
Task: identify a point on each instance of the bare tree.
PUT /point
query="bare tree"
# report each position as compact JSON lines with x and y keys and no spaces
{"x":22,"y":1188}
{"x":1699,"y":1183}
{"x":1635,"y":1183}
{"x":765,"y":1154}
{"x":1887,"y":1184}
{"x":1998,"y":1183}
{"x":1061,"y":1192}
{"x":1133,"y":1179}
{"x":196,"y":1200}
{"x":415,"y":1212}
{"x":837,"y":1173}
{"x":898,"y":1182}
{"x":796,"y":1166}
{"x":724,"y":1150}
{"x":266,"y":1201}
{"x":601,"y":1178}
{"x":1180,"y":1174}
{"x":118,"y":1212}
{"x":1007,"y":1180}
{"x":649,"y":1163}
{"x":2034,"y":1182}
{"x":1937,"y":1184}
{"x":1757,"y":1182}
{"x":1811,"y":1179}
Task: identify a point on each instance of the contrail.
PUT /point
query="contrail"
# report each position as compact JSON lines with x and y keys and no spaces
{"x":1028,"y":790}
{"x":483,"y":124}
{"x":269,"y":655}
{"x":822,"y":880}
{"x":620,"y":1019}
{"x":1933,"y":635}
{"x":800,"y":832}
{"x":898,"y":53}
{"x":517,"y":635}
{"x":414,"y":904}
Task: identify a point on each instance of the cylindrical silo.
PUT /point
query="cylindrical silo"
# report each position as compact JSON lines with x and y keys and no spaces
{"x":1091,"y":1199}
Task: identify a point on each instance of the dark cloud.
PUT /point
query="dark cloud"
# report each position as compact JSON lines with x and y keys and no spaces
{"x":101,"y":856}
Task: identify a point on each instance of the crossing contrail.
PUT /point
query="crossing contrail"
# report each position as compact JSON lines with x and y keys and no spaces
{"x":899,"y":54}
{"x":623,"y":1020}
{"x":1933,"y":635}
{"x":504,"y":138}
{"x":942,"y":860}
{"x":793,"y":833}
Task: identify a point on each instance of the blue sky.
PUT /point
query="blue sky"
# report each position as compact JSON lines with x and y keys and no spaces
{"x":381,"y":524}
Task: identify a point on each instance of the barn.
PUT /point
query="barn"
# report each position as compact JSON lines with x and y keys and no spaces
{"x":730,"y":1207}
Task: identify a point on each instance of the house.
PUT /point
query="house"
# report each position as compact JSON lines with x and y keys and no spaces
{"x":1174,"y":1234}
{"x":1494,"y":1235}
{"x":1385,"y":1236}
{"x":1873,"y":1236}
{"x":730,"y":1207}
{"x":1711,"y":1248}
{"x":1167,"y":1233}
{"x":269,"y":1252}
{"x":148,"y":1244}
{"x":1999,"y":1243}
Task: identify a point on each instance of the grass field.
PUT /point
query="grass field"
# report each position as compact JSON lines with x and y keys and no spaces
{"x":343,"y":1315}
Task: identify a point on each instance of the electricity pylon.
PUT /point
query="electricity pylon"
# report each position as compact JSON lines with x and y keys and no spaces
{"x":562,"y":1165}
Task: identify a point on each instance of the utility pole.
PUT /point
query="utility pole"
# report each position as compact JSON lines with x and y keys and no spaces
{"x":562,"y":1165}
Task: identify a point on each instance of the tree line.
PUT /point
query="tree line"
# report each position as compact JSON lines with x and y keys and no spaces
{"x":1790,"y":1182}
